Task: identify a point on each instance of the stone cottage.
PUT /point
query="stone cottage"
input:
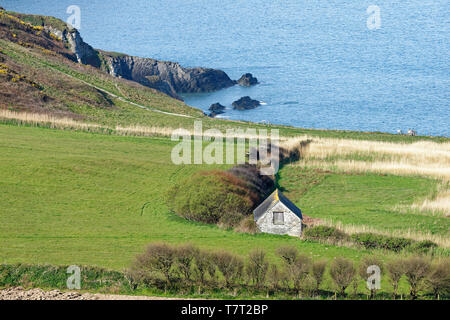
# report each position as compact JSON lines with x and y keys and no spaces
{"x":278,"y":215}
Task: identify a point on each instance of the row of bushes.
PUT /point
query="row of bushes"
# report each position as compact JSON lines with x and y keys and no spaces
{"x":368,"y":240}
{"x":188,"y":269}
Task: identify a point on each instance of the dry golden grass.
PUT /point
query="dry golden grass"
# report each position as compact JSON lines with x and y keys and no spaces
{"x":423,"y":158}
{"x":442,"y":241}
{"x":47,"y":119}
{"x":439,"y":205}
{"x":55,"y":122}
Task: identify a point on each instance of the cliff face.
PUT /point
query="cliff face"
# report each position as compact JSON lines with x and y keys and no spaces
{"x":168,"y":77}
{"x":165,"y":76}
{"x":82,"y":51}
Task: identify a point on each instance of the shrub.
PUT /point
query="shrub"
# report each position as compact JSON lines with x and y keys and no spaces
{"x":366,"y":262}
{"x":185,"y":256}
{"x":212,"y":196}
{"x":318,"y":270}
{"x":275,"y":277}
{"x":439,"y":278}
{"x":247,"y":225}
{"x":325,"y":233}
{"x":158,"y":259}
{"x":396,"y":270}
{"x":230,"y":265}
{"x":423,"y":247}
{"x":289,"y":254}
{"x":202,"y":267}
{"x":257,"y":267}
{"x":299,"y":271}
{"x":376,"y":241}
{"x":261,"y":185}
{"x":416,"y":269}
{"x":342,"y":272}
{"x":396,"y":244}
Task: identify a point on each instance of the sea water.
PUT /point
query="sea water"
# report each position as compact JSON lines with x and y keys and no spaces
{"x":320,"y":63}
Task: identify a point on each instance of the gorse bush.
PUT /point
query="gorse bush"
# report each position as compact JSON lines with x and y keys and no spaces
{"x":260,"y":185}
{"x":212,"y":197}
{"x":325,"y":233}
{"x":424,"y":246}
{"x":376,"y":241}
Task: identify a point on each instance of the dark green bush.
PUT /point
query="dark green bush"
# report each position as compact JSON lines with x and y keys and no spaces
{"x":212,"y":197}
{"x":325,"y":233}
{"x":376,"y":241}
{"x":424,"y":246}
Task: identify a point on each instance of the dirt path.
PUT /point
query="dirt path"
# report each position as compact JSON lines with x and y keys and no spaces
{"x":121,"y":98}
{"x":39,"y":294}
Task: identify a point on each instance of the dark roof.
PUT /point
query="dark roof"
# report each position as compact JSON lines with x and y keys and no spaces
{"x":273,"y":199}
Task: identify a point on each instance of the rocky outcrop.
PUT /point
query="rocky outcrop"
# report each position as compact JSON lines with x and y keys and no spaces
{"x":165,"y":76}
{"x":245,"y":103}
{"x":216,"y":109}
{"x":168,"y":77}
{"x":82,"y":51}
{"x":247,"y":80}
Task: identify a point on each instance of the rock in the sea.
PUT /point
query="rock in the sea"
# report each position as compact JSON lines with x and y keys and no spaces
{"x":247,"y":80}
{"x":217,"y":108}
{"x":245,"y":103}
{"x":170,"y":77}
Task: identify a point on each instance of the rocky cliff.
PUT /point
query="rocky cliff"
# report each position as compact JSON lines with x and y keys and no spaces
{"x":165,"y":76}
{"x":168,"y":77}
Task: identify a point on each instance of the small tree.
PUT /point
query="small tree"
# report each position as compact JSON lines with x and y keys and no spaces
{"x":203,"y":263}
{"x":439,"y":278}
{"x":300,"y":271}
{"x":416,"y":270}
{"x":342,"y":272}
{"x":318,"y":270}
{"x":257,"y":267}
{"x":289,"y":254}
{"x":157,"y":258}
{"x":396,"y":270}
{"x":230,"y":266}
{"x":367,"y":262}
{"x":274,"y":276}
{"x":185,"y":256}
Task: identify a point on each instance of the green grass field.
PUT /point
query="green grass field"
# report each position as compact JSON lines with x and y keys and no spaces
{"x":76,"y":198}
{"x":363,"y":199}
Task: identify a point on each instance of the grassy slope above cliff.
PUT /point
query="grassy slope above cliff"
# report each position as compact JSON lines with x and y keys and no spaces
{"x":39,"y":74}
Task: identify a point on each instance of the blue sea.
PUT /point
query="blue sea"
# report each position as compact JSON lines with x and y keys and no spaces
{"x":318,"y":63}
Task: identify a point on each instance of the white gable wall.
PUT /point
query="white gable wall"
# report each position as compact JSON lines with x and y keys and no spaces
{"x":292,"y":223}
